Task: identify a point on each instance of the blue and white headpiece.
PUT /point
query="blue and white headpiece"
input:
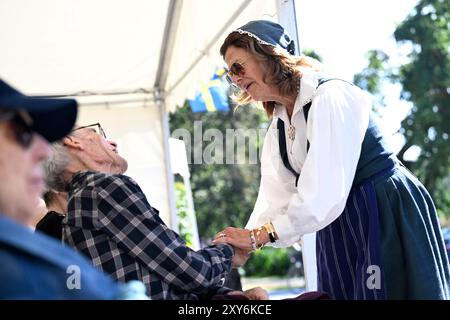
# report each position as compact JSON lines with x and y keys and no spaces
{"x":268,"y":33}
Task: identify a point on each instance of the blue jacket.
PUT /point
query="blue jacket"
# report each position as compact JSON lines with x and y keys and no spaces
{"x":34,"y":266}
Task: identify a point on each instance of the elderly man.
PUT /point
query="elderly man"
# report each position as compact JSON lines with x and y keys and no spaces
{"x":33,"y":266}
{"x":110,"y":220}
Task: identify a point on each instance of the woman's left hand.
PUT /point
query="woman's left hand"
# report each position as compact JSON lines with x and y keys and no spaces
{"x":238,"y":238}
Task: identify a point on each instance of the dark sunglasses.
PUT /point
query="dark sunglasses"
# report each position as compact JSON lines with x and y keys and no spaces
{"x":20,"y":122}
{"x":96,"y":127}
{"x":236,"y":69}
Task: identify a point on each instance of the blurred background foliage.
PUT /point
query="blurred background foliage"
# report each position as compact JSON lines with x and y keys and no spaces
{"x":184,"y":225}
{"x":224,"y":194}
{"x":268,"y":262}
{"x":425,"y":83}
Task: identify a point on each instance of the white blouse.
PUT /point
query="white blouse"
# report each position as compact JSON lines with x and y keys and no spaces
{"x":337,"y":122}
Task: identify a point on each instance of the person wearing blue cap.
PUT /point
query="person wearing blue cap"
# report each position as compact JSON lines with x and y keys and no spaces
{"x":34,"y":266}
{"x":326,"y":168}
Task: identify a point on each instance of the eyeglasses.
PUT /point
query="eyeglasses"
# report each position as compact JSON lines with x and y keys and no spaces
{"x":236,"y":69}
{"x":21,"y":126}
{"x":96,"y":127}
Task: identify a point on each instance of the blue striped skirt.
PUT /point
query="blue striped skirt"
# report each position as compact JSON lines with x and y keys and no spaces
{"x":385,"y":244}
{"x":348,"y":250}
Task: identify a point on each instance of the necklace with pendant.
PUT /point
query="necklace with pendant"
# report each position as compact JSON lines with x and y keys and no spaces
{"x":291,"y":132}
{"x":291,"y":128}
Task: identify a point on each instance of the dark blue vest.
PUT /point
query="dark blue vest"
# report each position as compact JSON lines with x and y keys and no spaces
{"x":375,"y":153}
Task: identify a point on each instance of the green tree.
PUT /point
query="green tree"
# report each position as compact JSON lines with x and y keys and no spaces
{"x":268,"y":262}
{"x":426,"y":83}
{"x":373,"y":76}
{"x":224,"y":194}
{"x":311,"y":53}
{"x":181,"y":203}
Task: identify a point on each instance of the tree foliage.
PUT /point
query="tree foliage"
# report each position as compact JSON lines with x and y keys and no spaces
{"x":426,"y":83}
{"x":184,"y":226}
{"x":312,"y":54}
{"x":371,"y":78}
{"x":224,"y":194}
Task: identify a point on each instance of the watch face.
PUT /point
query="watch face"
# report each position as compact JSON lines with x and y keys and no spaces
{"x":271,"y":237}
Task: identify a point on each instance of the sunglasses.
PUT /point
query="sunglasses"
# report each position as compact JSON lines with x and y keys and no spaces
{"x":20,"y":122}
{"x":96,"y":127}
{"x":237,"y":69}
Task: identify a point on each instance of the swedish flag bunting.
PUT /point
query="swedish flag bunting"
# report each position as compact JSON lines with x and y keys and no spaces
{"x":213,"y":95}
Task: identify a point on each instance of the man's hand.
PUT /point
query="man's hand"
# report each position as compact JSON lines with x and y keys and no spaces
{"x":238,"y":238}
{"x":256,"y":293}
{"x":240,"y":257}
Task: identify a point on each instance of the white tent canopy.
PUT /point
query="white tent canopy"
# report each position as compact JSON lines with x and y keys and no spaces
{"x":67,"y":47}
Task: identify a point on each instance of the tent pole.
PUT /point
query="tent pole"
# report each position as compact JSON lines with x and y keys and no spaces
{"x":288,"y":18}
{"x":170,"y":181}
{"x":167,"y":45}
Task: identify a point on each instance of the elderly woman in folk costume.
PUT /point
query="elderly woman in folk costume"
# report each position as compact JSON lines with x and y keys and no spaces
{"x":327,"y":168}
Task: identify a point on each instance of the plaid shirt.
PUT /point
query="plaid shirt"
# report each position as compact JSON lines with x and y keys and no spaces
{"x":110,"y":221}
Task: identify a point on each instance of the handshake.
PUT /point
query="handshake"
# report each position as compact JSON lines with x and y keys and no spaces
{"x":244,"y":241}
{"x":239,"y":239}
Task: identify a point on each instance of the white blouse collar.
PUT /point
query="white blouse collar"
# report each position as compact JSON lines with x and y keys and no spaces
{"x":308,"y":85}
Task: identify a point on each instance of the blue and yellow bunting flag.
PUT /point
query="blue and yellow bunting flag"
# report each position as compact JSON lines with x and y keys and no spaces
{"x":212,"y":96}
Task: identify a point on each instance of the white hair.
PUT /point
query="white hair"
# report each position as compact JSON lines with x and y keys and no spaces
{"x":55,"y":166}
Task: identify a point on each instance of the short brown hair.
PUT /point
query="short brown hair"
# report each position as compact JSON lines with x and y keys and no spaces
{"x":281,"y":68}
{"x":49,"y":197}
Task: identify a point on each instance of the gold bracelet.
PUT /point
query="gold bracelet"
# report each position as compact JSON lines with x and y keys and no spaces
{"x":275,"y":235}
{"x":252,"y":239}
{"x":266,"y":227}
{"x":259,"y":243}
{"x":271,"y":231}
